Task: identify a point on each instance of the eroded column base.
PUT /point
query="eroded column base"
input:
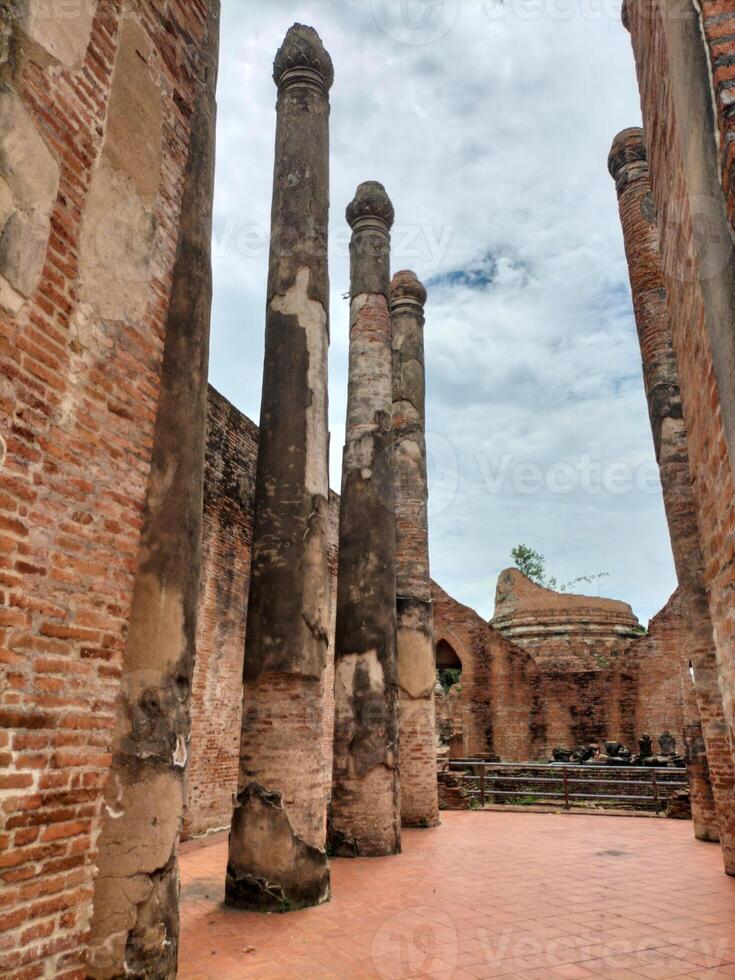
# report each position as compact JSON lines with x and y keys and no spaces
{"x":704,"y":814}
{"x":370,"y":808}
{"x":271,"y":869}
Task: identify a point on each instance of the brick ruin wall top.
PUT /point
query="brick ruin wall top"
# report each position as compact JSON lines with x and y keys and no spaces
{"x":562,"y":631}
{"x":519,"y":705}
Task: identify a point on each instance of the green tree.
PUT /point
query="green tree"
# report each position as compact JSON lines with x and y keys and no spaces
{"x":533,"y":565}
{"x":449,"y":676}
{"x":530,"y":562}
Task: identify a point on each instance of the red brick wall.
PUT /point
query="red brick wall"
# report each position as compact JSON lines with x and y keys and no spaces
{"x":686,"y":167}
{"x":232,"y":449}
{"x":663,"y":662}
{"x":562,"y":630}
{"x":718,"y":26}
{"x":78,"y":395}
{"x":520,"y":708}
{"x":229,"y":480}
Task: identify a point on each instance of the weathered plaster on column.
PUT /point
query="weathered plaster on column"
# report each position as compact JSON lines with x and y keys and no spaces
{"x":365,"y":808}
{"x":135,"y":925}
{"x":61,"y":28}
{"x":415,"y":636}
{"x":29,"y":183}
{"x":118,"y":234}
{"x":277,"y":855}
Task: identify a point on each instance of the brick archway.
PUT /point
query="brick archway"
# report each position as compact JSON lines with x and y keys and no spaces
{"x":446,"y":655}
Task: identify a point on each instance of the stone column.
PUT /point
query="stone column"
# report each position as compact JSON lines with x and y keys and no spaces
{"x":277,"y":857}
{"x":365,"y":809}
{"x":415,"y":636}
{"x":629,"y":167}
{"x":135,"y":921}
{"x":704,"y":811}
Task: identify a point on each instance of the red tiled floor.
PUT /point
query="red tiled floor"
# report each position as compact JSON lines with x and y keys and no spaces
{"x":485,"y":895}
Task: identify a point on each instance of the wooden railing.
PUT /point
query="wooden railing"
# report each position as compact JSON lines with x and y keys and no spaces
{"x":566,"y":784}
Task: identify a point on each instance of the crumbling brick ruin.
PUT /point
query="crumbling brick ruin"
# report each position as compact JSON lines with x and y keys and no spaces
{"x":511,"y":701}
{"x":554,"y":669}
{"x":122,"y":478}
{"x":106,"y":176}
{"x":705,"y":717}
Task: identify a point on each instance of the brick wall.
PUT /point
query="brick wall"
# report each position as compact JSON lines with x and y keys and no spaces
{"x":229,"y":480}
{"x":231,"y":459}
{"x":517,"y":706}
{"x":96,"y":163}
{"x":718,"y":27}
{"x":663,"y":672}
{"x":686,"y":123}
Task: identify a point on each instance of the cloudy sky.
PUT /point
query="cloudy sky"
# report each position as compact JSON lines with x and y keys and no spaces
{"x":489,"y":123}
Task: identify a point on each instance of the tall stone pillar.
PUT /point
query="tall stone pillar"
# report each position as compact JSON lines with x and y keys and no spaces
{"x":415,"y":634}
{"x":277,"y":857}
{"x":629,"y":167}
{"x":135,"y":921}
{"x":365,"y":809}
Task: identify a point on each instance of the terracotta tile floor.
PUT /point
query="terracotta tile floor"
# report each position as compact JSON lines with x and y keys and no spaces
{"x":485,"y":895}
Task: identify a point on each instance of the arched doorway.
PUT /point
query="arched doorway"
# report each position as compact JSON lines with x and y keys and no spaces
{"x":448,"y":698}
{"x":448,"y":665}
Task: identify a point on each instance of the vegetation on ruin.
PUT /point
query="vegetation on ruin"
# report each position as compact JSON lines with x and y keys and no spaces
{"x":448,"y":677}
{"x":533,"y":565}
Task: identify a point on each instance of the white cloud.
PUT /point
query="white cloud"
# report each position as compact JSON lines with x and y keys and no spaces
{"x":492,"y":142}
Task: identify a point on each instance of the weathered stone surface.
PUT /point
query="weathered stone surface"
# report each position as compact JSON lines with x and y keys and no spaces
{"x":415,"y":640}
{"x":303,"y":58}
{"x":116,"y":247}
{"x":288,"y":617}
{"x":119,"y":227}
{"x":628,"y":165}
{"x":62,"y":29}
{"x":365,"y":808}
{"x":29,"y":183}
{"x":133,"y":136}
{"x":138,"y":933}
{"x":22,"y":251}
{"x":7,"y":205}
{"x":26,"y":163}
{"x":128,"y":875}
{"x":288,"y":611}
{"x":284,"y":873}
{"x":79,"y":396}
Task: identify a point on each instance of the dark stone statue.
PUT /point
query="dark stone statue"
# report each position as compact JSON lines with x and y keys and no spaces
{"x":667,"y":744}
